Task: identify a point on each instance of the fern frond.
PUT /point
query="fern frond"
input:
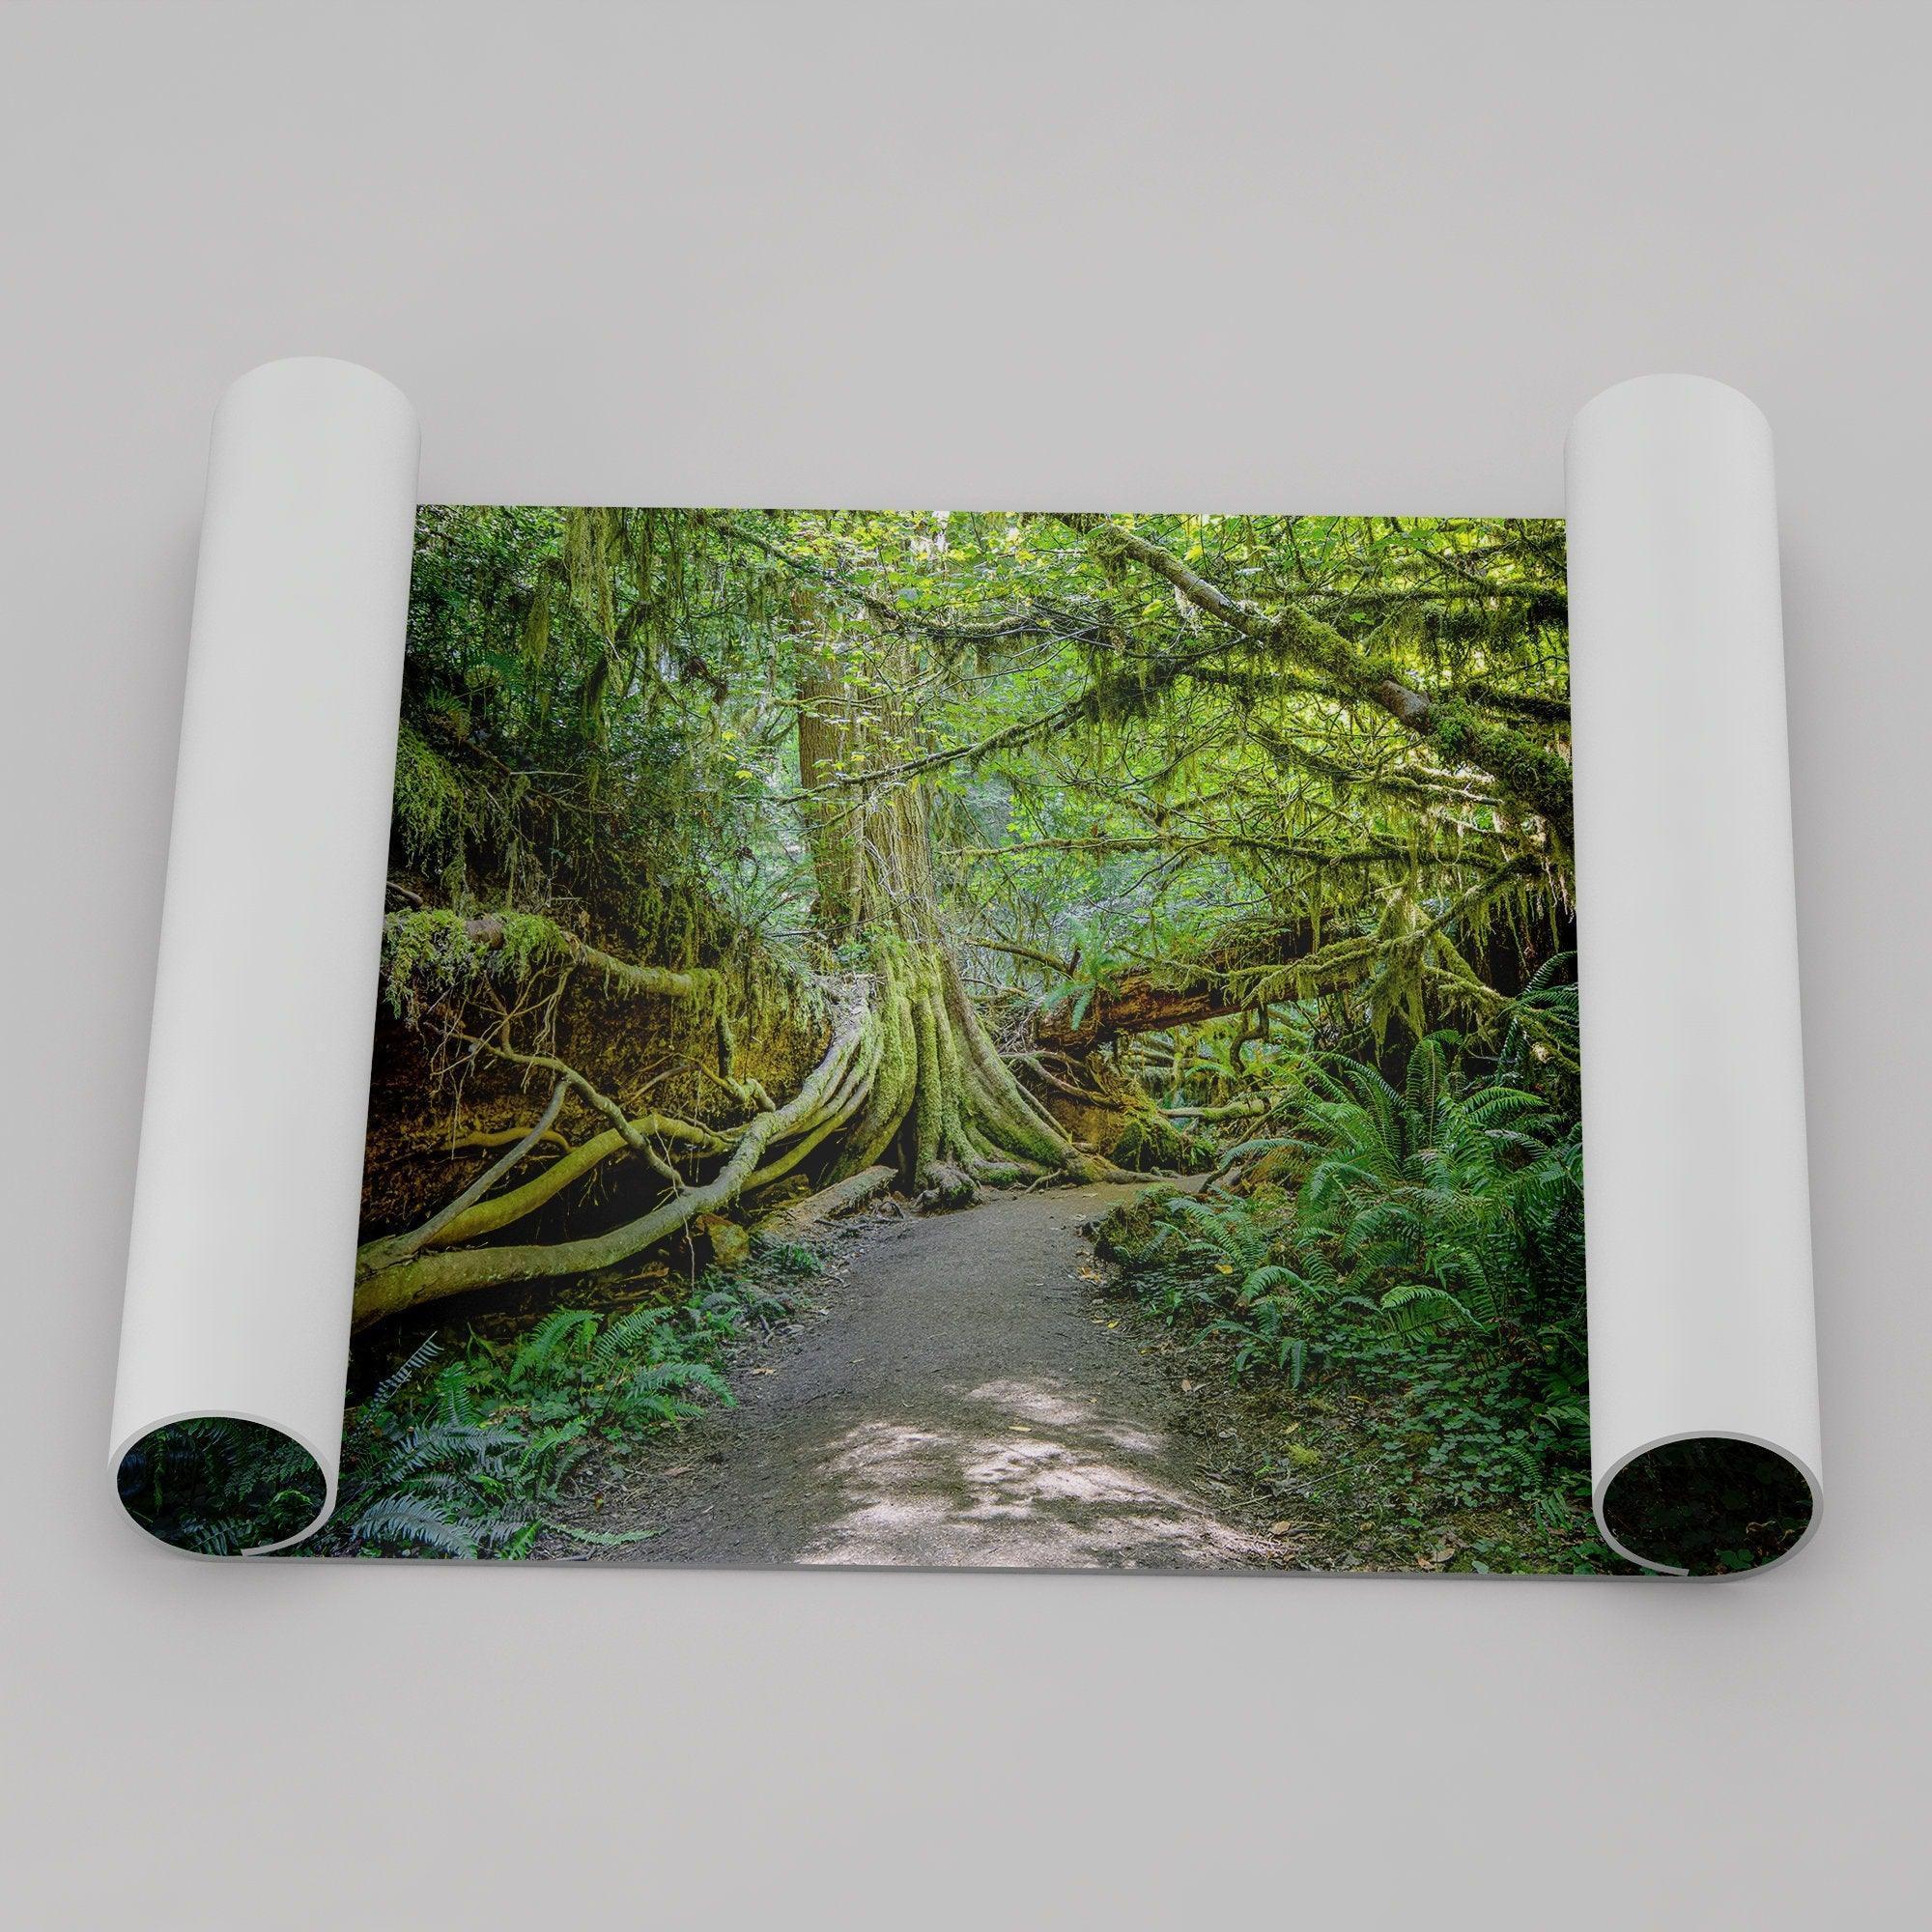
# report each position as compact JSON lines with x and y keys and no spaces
{"x":627,"y":1335}
{"x":392,"y":1384}
{"x":552,"y":1335}
{"x":664,"y":1377}
{"x":415,"y":1520}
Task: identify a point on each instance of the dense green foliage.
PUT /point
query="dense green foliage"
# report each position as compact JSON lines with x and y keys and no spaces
{"x":1709,"y":1506}
{"x":602,"y":713}
{"x":464,"y":1454}
{"x":1412,"y":1259}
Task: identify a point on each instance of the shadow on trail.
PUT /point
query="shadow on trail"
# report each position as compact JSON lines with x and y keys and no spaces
{"x":961,"y":1403}
{"x":1041,"y":1483}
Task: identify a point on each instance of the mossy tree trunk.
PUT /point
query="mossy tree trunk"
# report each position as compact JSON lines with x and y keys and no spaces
{"x":910,"y":1074}
{"x":946,"y":1105}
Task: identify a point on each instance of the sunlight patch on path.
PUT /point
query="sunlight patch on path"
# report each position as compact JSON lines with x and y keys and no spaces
{"x":1027,"y":1476}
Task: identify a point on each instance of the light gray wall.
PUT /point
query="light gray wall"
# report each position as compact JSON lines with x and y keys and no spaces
{"x":1328,"y":259}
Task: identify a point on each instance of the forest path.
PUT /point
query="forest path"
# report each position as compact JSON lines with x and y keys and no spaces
{"x":959,"y":1402}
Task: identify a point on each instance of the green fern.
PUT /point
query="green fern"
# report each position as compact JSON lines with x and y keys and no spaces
{"x":219,"y":1486}
{"x":557,"y":1330}
{"x":417,"y":1521}
{"x":640,"y":1331}
{"x":392,"y":1384}
{"x":664,"y":1377}
{"x":465,"y":1458}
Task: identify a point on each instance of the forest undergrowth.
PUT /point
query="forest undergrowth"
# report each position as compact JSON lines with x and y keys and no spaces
{"x":1388,"y":1283}
{"x":465,"y":1451}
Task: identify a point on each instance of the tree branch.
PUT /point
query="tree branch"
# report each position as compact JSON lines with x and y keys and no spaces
{"x":497,"y":929}
{"x":895,"y":615}
{"x":1530,"y":772}
{"x":399,"y":1247}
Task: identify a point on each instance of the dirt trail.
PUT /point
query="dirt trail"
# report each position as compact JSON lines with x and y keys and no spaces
{"x":956,"y":1404}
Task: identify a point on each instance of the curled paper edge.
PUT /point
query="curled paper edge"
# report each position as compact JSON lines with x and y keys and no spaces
{"x":1701,"y":1321}
{"x":241,"y":1250}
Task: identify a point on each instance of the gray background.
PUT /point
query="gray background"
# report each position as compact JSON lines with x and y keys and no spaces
{"x":1329,"y":259}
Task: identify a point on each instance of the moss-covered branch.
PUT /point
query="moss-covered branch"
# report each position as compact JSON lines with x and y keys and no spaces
{"x":432,"y":946}
{"x":398,"y":1247}
{"x":1530,"y":772}
{"x":501,"y":1211}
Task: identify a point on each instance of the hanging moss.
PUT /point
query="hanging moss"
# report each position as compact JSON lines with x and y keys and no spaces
{"x":1527,"y":769}
{"x":432,"y":815}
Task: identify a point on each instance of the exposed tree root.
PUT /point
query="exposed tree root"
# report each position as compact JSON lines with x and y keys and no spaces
{"x":948,"y":1186}
{"x":911,"y":1083}
{"x":429,"y":1277}
{"x":399,"y":1247}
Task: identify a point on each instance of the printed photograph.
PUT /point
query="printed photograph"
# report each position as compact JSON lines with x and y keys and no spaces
{"x":974,"y":1038}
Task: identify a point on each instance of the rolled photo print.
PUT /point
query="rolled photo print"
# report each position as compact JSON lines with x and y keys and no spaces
{"x":974,"y":1038}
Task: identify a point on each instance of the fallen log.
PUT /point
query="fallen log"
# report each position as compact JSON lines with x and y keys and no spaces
{"x":1155,"y":999}
{"x":787,"y":1224}
{"x":1234,"y":1110}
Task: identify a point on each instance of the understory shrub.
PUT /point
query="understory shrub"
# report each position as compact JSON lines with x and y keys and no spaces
{"x":461,"y":1455}
{"x":1421,"y":1247}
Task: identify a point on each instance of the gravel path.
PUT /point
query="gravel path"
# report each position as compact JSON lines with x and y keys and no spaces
{"x":959,"y":1402}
